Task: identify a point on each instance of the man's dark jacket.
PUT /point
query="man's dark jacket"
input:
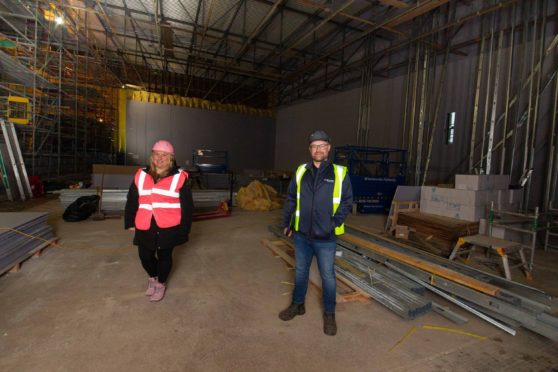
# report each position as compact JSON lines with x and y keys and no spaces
{"x":317,"y":221}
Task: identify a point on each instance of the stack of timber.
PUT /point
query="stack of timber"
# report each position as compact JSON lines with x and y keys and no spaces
{"x":434,"y":233}
{"x":22,"y":235}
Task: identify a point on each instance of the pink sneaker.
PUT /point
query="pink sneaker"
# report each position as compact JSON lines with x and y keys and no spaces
{"x":159,"y":292}
{"x":151,"y":286}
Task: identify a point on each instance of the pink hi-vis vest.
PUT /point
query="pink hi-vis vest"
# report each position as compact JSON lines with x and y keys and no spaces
{"x":160,"y":200}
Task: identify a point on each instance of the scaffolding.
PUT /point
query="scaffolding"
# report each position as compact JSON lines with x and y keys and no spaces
{"x":47,"y":61}
{"x":526,"y":227}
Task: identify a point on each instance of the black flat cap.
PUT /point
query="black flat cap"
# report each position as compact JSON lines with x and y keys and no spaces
{"x":319,"y":135}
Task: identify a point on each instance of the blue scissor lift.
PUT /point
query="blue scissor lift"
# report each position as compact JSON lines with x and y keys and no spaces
{"x":375,"y":174}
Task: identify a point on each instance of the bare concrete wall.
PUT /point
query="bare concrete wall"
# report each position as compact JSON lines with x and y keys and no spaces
{"x":249,"y":140}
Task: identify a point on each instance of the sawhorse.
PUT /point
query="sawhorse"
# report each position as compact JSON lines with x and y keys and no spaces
{"x":504,"y":248}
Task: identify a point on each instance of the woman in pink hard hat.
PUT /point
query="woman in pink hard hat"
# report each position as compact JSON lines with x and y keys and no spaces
{"x":159,"y":208}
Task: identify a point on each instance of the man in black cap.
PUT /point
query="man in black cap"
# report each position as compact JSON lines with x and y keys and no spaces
{"x":319,"y":199}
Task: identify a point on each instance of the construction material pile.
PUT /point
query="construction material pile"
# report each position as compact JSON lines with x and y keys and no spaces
{"x":397,"y":293}
{"x":505,"y":304}
{"x":258,"y":197}
{"x":471,"y":198}
{"x":396,"y":276}
{"x":115,"y":200}
{"x":438,"y":234}
{"x":21,"y":235}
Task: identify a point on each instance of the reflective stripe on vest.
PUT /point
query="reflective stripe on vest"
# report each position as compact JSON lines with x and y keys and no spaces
{"x":340,"y":173}
{"x":160,"y":201}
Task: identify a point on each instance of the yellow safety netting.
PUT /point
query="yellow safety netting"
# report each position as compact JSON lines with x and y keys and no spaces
{"x":194,"y":102}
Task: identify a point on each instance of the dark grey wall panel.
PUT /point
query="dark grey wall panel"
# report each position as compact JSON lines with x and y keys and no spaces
{"x":336,"y":114}
{"x":385,"y":113}
{"x":249,"y":140}
{"x":457,"y":96}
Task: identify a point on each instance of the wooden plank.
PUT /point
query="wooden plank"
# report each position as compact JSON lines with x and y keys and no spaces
{"x":424,"y":265}
{"x":15,"y":268}
{"x":356,"y":293}
{"x":274,"y":247}
{"x":396,"y":208}
{"x":353,"y":296}
{"x":489,"y":241}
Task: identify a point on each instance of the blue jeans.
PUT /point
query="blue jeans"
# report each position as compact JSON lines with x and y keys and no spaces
{"x":305,"y":250}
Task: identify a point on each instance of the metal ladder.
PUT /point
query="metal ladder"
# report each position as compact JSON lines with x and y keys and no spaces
{"x":15,"y":164}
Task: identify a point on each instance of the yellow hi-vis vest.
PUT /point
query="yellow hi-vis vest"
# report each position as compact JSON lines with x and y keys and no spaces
{"x":340,"y":173}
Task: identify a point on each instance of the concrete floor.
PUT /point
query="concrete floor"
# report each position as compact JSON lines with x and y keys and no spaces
{"x":81,"y":307}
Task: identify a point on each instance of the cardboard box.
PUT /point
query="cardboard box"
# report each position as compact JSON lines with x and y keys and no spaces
{"x":479,"y":182}
{"x":468,"y":205}
{"x":402,"y":232}
{"x":461,"y":212}
{"x":432,"y":195}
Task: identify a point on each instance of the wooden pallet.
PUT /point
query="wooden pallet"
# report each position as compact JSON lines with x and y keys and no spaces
{"x":396,"y":208}
{"x":346,"y":290}
{"x":36,"y":252}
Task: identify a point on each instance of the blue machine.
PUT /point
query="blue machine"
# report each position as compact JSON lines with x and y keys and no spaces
{"x":375,"y":174}
{"x":211,"y":161}
{"x":212,"y":169}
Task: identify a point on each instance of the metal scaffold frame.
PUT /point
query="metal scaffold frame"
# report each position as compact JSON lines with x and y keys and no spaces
{"x":71,"y":94}
{"x":551,"y":191}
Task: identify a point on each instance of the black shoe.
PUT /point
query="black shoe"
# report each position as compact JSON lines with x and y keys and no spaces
{"x":330,"y":326}
{"x":292,"y":311}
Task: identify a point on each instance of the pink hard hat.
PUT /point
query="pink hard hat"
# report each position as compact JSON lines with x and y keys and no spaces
{"x":164,"y":146}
